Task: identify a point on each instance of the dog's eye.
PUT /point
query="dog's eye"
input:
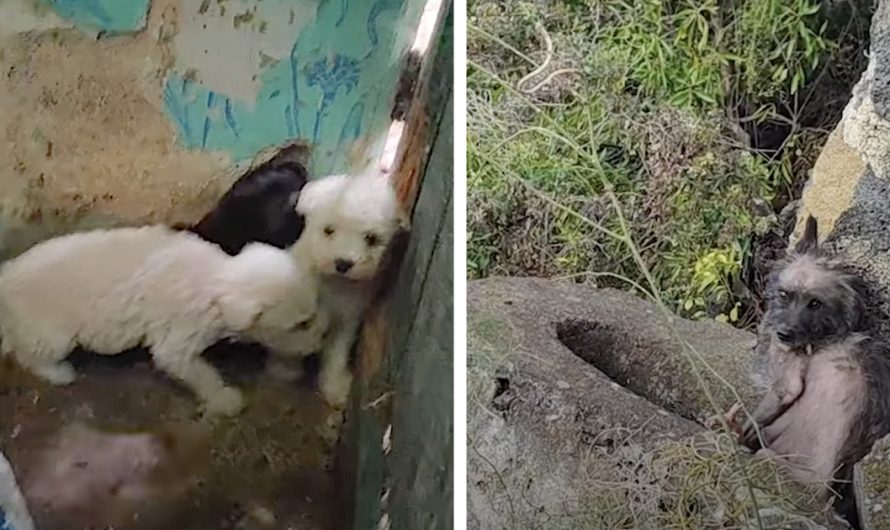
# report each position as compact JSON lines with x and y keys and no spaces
{"x":329,"y":230}
{"x":814,"y":304}
{"x":783,"y":295}
{"x":304,"y":324}
{"x":372,"y":240}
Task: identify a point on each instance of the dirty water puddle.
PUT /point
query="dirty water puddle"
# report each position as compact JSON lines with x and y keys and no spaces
{"x":270,"y":467}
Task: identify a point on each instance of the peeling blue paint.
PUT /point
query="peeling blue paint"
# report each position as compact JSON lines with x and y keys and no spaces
{"x":330,"y":77}
{"x":334,"y":87}
{"x":379,"y":7}
{"x":344,"y":6}
{"x":352,"y":128}
{"x":114,"y":16}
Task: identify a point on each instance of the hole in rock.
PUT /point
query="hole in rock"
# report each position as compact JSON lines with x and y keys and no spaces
{"x":622,"y":359}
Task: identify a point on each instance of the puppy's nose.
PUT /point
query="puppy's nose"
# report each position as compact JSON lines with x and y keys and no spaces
{"x":784,"y":335}
{"x":343,"y":265}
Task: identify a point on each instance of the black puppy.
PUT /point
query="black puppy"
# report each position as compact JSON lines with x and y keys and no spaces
{"x":258,"y":207}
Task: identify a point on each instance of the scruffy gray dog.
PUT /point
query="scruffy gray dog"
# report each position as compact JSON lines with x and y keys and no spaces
{"x":831,"y":377}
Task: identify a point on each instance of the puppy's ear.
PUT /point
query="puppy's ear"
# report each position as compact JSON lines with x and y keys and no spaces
{"x":810,"y":240}
{"x":856,"y":306}
{"x":317,"y":194}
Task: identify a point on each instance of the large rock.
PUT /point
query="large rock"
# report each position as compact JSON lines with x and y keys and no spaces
{"x":849,"y":189}
{"x":849,"y":194}
{"x":575,"y":393}
{"x":631,"y":341}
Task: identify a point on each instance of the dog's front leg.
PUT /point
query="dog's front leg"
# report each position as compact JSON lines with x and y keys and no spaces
{"x":773,"y":405}
{"x":335,"y":379}
{"x":192,"y":370}
{"x":788,"y":385}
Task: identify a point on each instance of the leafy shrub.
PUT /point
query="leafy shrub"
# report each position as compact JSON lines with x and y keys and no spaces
{"x":638,"y":119}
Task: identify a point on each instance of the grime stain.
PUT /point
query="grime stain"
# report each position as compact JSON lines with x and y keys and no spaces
{"x":266,"y":60}
{"x":85,"y":117}
{"x":243,"y":18}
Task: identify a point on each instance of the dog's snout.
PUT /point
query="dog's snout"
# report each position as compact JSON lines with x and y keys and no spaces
{"x":343,"y":265}
{"x":785,"y":335}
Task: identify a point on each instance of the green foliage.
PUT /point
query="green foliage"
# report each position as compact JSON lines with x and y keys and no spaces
{"x":779,"y":44}
{"x":711,"y":280}
{"x":635,"y":127}
{"x":691,"y":52}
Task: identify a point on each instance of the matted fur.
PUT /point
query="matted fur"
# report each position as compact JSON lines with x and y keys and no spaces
{"x":111,"y":290}
{"x":350,"y":223}
{"x":831,"y":378}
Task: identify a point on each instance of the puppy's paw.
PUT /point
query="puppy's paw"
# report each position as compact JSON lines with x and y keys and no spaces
{"x":335,"y":387}
{"x":56,"y":374}
{"x":227,"y":402}
{"x":730,"y":418}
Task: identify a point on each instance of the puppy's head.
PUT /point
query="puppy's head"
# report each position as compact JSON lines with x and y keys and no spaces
{"x":258,"y":207}
{"x":268,"y":197}
{"x":350,"y":222}
{"x":268,"y":297}
{"x":811,"y":298}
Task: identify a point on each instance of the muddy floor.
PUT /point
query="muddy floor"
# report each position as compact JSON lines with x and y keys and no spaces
{"x":274,"y":459}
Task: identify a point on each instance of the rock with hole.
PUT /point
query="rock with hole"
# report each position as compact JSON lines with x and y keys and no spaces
{"x":582,"y":412}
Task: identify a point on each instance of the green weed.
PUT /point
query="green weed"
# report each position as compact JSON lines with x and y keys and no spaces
{"x":649,"y":99}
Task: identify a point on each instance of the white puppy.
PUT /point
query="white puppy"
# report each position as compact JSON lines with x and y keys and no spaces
{"x":350,"y":222}
{"x":112,"y":290}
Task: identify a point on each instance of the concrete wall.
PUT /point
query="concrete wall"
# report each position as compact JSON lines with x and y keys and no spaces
{"x":121,"y":111}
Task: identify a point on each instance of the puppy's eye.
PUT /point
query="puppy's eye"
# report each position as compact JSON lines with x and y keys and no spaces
{"x":304,"y":324}
{"x":814,"y":304}
{"x":372,"y":240}
{"x":783,"y":295}
{"x":329,"y":230}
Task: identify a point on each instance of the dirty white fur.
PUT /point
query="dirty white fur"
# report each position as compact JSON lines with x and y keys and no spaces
{"x":822,"y":390}
{"x":112,"y":290}
{"x":350,"y":221}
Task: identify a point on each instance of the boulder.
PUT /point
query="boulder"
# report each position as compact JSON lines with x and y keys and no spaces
{"x":582,"y":412}
{"x":631,"y":341}
{"x":849,"y":194}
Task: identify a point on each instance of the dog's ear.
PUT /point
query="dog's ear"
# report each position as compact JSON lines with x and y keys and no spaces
{"x":317,"y":194}
{"x":856,"y":307}
{"x":809,"y":242}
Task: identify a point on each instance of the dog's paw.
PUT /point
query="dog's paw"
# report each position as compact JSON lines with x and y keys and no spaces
{"x":335,"y":387}
{"x":227,"y":402}
{"x":56,"y":374}
{"x":730,"y":418}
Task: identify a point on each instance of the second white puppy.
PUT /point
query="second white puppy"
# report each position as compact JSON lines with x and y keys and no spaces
{"x":112,"y":290}
{"x":350,"y":222}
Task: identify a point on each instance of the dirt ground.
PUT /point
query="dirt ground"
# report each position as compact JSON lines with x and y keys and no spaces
{"x":275,"y":456}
